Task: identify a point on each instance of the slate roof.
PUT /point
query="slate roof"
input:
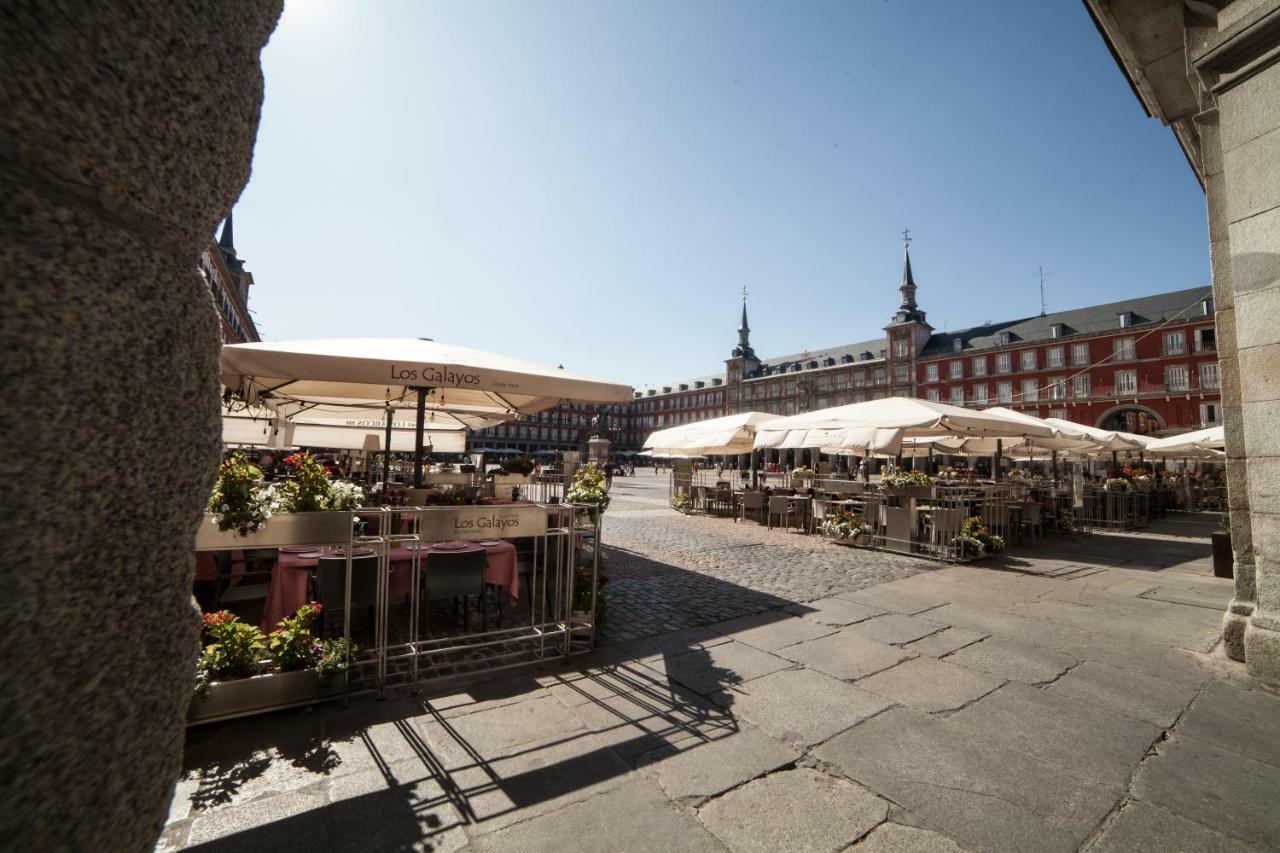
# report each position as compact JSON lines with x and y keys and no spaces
{"x":783,"y":363}
{"x":1080,"y":321}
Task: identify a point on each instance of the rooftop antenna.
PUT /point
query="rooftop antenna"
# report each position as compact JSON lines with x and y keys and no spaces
{"x":1043,"y":276}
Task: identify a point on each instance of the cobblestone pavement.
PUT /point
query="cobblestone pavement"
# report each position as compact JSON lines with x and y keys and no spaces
{"x":669,"y":571}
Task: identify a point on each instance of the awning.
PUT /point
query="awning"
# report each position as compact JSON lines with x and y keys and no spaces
{"x":732,"y":434}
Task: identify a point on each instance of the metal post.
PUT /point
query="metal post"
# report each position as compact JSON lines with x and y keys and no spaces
{"x":417,"y":438}
{"x":995,"y":473}
{"x":386,"y":454}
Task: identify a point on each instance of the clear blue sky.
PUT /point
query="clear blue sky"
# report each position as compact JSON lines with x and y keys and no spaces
{"x":593,"y":183}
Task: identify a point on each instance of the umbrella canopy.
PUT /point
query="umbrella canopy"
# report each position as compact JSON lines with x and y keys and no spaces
{"x":380,"y":371}
{"x":1102,"y":439}
{"x":1189,"y":443}
{"x":879,"y":426}
{"x":264,"y":428}
{"x":731,"y":434}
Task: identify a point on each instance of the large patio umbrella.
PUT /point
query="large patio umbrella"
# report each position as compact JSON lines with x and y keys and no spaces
{"x":1201,"y":442}
{"x":400,"y":373}
{"x":726,"y":436}
{"x":879,"y":426}
{"x":1103,"y":439}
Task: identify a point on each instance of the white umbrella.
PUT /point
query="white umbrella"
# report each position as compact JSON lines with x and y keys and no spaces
{"x":727,"y":435}
{"x":1189,"y":443}
{"x":1103,"y":439}
{"x":878,"y":426}
{"x":373,"y":373}
{"x":265,"y":428}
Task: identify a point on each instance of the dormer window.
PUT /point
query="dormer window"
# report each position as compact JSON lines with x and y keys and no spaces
{"x":812,"y":365}
{"x":1206,"y":305}
{"x":1126,"y":319}
{"x":684,"y":387}
{"x":883,"y":353}
{"x":652,"y":392}
{"x":717,"y":381}
{"x":699,"y":385}
{"x":1058,"y":330}
{"x":666,"y":389}
{"x":957,"y":345}
{"x":1003,"y":339}
{"x":828,"y":361}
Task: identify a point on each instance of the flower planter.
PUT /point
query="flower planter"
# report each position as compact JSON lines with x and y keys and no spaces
{"x":260,"y":693}
{"x":293,"y":528}
{"x":862,"y":540}
{"x":910,"y":491}
{"x":506,"y":481}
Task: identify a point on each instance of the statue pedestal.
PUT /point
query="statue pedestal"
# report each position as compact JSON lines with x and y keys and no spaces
{"x":598,"y":449}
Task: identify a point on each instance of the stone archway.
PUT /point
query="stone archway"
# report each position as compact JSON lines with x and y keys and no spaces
{"x":1131,"y":417}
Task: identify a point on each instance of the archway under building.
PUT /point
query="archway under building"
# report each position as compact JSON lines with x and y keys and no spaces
{"x":1132,"y":418}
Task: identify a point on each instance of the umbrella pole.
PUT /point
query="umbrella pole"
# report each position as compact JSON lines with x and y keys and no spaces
{"x":995,"y":474}
{"x":386,"y":454}
{"x":417,"y":438}
{"x":1115,"y":463}
{"x":1054,"y":456}
{"x":866,"y":466}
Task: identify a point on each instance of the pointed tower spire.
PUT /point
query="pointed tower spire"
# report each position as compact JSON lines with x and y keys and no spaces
{"x":227,"y":240}
{"x":908,"y":287}
{"x":744,"y":331}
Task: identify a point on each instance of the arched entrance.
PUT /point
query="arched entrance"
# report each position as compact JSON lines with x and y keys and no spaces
{"x":1131,"y":418}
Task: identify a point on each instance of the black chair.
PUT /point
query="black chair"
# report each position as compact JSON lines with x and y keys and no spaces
{"x":248,"y":585}
{"x":329,"y":585}
{"x":454,"y":577}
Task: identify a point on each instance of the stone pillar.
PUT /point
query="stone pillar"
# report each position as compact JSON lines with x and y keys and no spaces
{"x":128,"y":133}
{"x":1250,"y":144}
{"x":598,"y":450}
{"x":1242,"y":604}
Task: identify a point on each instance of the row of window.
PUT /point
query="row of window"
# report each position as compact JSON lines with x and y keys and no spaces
{"x":1176,"y":378}
{"x":1122,"y":349}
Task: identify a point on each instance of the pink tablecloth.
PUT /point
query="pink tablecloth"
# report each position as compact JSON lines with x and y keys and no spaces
{"x":291,"y":577}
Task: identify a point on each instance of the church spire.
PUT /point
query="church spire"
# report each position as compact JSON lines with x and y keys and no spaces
{"x":908,"y":287}
{"x":744,"y":332}
{"x":227,"y":244}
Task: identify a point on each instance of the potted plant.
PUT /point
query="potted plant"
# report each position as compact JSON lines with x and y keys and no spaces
{"x":295,"y":512}
{"x":588,"y":489}
{"x":862,"y":534}
{"x":975,"y":541}
{"x":911,"y":484}
{"x":681,"y":502}
{"x":240,"y":671}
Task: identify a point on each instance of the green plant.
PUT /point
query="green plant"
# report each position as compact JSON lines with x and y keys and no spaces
{"x":237,"y":501}
{"x":582,"y":594}
{"x":1116,"y":484}
{"x":335,"y":659}
{"x":310,"y":489}
{"x":292,"y":646}
{"x":588,"y":487}
{"x":345,"y":497}
{"x":905,"y":479}
{"x":681,"y":502}
{"x":522,"y":465}
{"x":975,"y":539}
{"x":235,"y":651}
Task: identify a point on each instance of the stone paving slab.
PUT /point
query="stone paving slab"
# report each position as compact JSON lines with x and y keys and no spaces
{"x":983,"y":796}
{"x":896,"y":838}
{"x":799,"y":809}
{"x":896,"y":598}
{"x":1082,"y":737}
{"x":802,"y":706}
{"x":1141,"y":828}
{"x":635,"y":815}
{"x":837,"y":612}
{"x":1139,"y":697}
{"x":714,"y":767}
{"x":1221,"y":790}
{"x":845,"y":655}
{"x":1014,"y":661}
{"x":931,"y":685}
{"x":1246,"y":722}
{"x":772,"y":630}
{"x":717,"y":667}
{"x":944,"y":642}
{"x":894,"y":629}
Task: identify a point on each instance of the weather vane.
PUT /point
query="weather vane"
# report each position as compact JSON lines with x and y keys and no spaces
{"x":744,"y":293}
{"x":906,"y":235}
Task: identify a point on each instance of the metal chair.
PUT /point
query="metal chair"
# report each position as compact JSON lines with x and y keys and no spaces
{"x":752,"y":502}
{"x":821,"y":509}
{"x":232,"y":586}
{"x":457,"y":576}
{"x":329,"y":585}
{"x":781,"y":507}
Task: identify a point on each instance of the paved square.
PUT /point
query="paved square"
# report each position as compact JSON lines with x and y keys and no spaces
{"x":763,"y":690}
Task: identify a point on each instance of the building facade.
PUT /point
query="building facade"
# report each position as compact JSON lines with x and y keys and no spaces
{"x":228,"y":282}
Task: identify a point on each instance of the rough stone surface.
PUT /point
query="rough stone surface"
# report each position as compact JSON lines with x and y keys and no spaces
{"x":715,"y":767}
{"x":944,"y":642}
{"x":1134,"y":695}
{"x":895,"y":629}
{"x":896,"y":838}
{"x":798,"y":809}
{"x":128,"y":133}
{"x":845,"y":655}
{"x":1014,"y":662}
{"x":718,"y":667}
{"x":1141,"y":828}
{"x":931,"y":685}
{"x":803,"y":706}
{"x":639,"y":819}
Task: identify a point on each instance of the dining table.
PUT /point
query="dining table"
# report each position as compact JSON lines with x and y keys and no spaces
{"x":290,"y":584}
